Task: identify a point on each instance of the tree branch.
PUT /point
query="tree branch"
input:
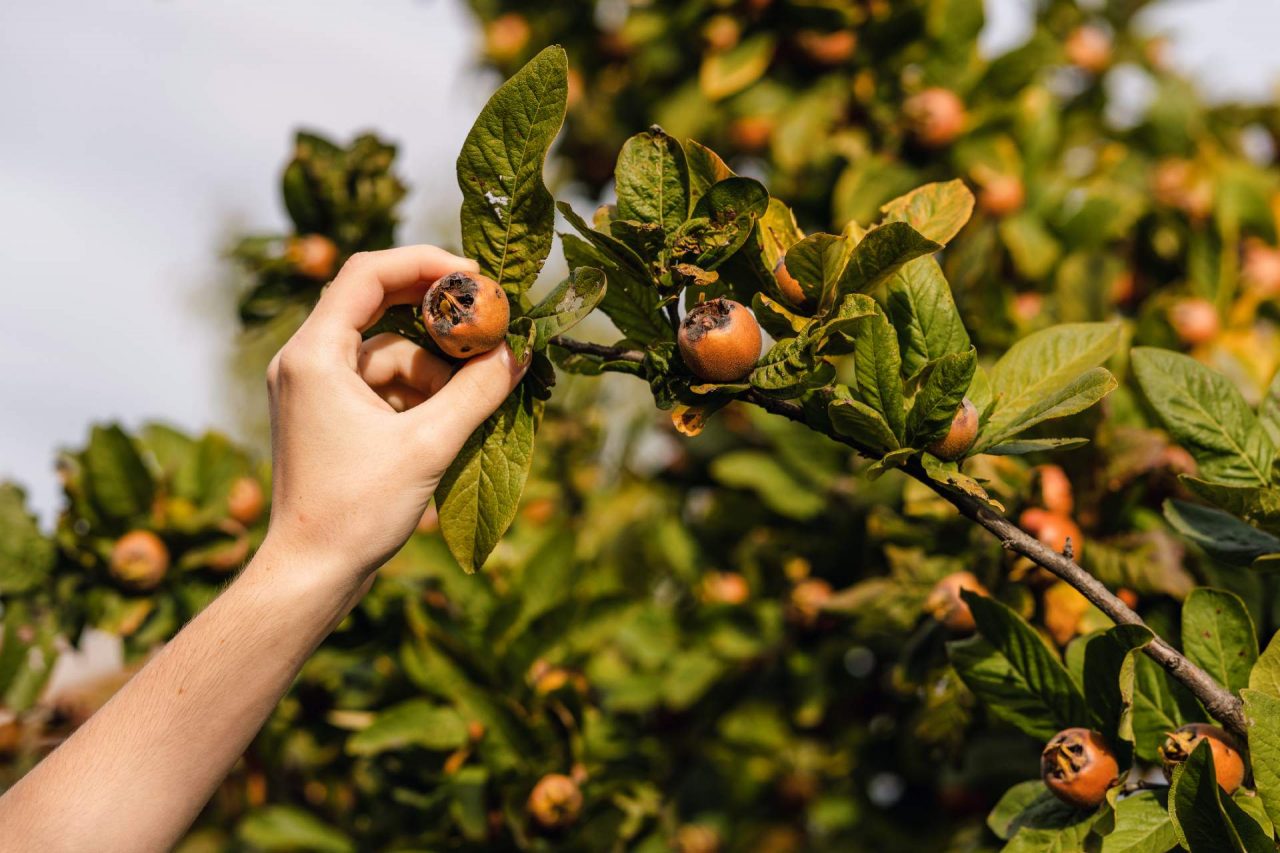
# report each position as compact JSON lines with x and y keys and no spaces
{"x":1221,"y":703}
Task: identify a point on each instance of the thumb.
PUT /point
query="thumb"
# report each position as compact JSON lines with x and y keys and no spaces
{"x":473,"y":393}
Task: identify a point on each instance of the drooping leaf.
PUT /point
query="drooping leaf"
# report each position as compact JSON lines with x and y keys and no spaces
{"x":507,"y":212}
{"x":1159,"y":705}
{"x":630,"y":300}
{"x":1207,"y":415}
{"x":1104,"y":659}
{"x":863,"y":424}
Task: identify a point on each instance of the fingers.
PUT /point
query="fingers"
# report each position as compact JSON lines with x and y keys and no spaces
{"x":474,"y":393}
{"x":396,"y":366}
{"x":371,"y":281}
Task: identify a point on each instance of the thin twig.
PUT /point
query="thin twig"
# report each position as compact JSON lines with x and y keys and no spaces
{"x":1221,"y":703}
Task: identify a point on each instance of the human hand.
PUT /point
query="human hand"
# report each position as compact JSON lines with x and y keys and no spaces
{"x":362,"y":431}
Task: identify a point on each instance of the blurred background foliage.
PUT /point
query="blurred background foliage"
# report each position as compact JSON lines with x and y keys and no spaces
{"x":717,"y":643}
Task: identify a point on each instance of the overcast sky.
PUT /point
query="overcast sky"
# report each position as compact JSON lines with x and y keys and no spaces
{"x":136,"y":134}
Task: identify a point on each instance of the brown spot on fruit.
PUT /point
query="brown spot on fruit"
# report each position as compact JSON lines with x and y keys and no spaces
{"x":312,"y":255}
{"x":720,"y":340}
{"x":245,"y":500}
{"x":935,"y":117}
{"x":139,"y":560}
{"x":945,"y":604}
{"x":1227,"y":761}
{"x":1078,"y":767}
{"x":555,"y":802}
{"x":961,"y":435}
{"x":466,"y":314}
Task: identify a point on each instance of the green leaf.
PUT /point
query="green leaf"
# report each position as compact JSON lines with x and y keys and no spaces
{"x":570,"y":302}
{"x":1207,"y":415}
{"x":1262,"y":710}
{"x":778,"y":232}
{"x":816,"y":263}
{"x":1220,"y":534}
{"x":1023,"y":446}
{"x":706,"y":168}
{"x":1269,"y":411}
{"x":1258,"y":505}
{"x":1033,"y":250}
{"x":1265,"y":676}
{"x":1142,"y":825}
{"x":724,"y":74}
{"x":1104,"y":658}
{"x":936,"y":403}
{"x":116,"y":478}
{"x":1217,"y":634}
{"x":1159,"y":705}
{"x":938,"y":211}
{"x":415,"y":723}
{"x":1206,"y":821}
{"x":878,"y":371}
{"x":924,"y":315}
{"x":781,"y":489}
{"x":480,"y":493}
{"x":863,"y":424}
{"x":286,"y":828}
{"x":880,"y":254}
{"x":26,"y":555}
{"x":507,"y":213}
{"x":630,"y":300}
{"x":1009,"y":667}
{"x":652,"y":180}
{"x":1048,"y":374}
{"x":1002,"y":819}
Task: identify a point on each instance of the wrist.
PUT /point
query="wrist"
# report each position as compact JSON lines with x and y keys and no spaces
{"x":316,"y":576}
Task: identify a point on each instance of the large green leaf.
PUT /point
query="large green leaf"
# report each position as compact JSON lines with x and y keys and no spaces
{"x":936,"y":403}
{"x":1207,"y":415}
{"x":1220,"y":534}
{"x":863,"y":424}
{"x":924,"y":314}
{"x":938,"y":211}
{"x":480,"y":493}
{"x":1263,"y":713}
{"x":706,"y":168}
{"x":26,"y":555}
{"x":1205,"y":820}
{"x":1009,"y":667}
{"x":652,"y":181}
{"x":507,"y":212}
{"x":1049,"y":374}
{"x":880,"y":254}
{"x":1142,"y":825}
{"x":1217,"y":634}
{"x":416,"y":722}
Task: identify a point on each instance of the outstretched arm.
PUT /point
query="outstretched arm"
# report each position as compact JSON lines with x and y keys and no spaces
{"x":362,"y":431}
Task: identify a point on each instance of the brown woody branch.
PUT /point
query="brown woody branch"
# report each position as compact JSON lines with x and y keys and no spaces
{"x":1221,"y":703}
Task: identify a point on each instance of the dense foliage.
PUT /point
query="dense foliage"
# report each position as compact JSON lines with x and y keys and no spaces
{"x":719,"y":627}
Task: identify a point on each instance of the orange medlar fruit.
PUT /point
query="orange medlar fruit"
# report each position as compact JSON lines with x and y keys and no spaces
{"x":751,"y":133}
{"x":312,"y":255}
{"x":245,"y":500}
{"x":1078,"y":767}
{"x":1053,"y":530}
{"x":1002,"y":195}
{"x":722,"y":32}
{"x":1089,"y":47}
{"x":466,"y":313}
{"x":935,"y":117}
{"x":833,"y":48}
{"x":807,"y":599}
{"x":697,"y":838}
{"x":724,"y":588}
{"x":555,"y":801}
{"x":720,"y":340}
{"x":139,"y":560}
{"x":1053,"y":489}
{"x":789,"y":286}
{"x":1227,"y":760}
{"x":506,"y":36}
{"x":1194,"y":320}
{"x":961,"y":435}
{"x":945,"y":604}
{"x":1260,"y":268}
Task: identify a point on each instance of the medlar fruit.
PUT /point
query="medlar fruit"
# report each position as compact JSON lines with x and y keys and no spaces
{"x":946,"y":605}
{"x":1088,"y":47}
{"x":961,"y":435}
{"x":245,"y":500}
{"x":789,"y":286}
{"x":1053,"y":530}
{"x":935,"y":116}
{"x":139,"y":560}
{"x":1227,"y":761}
{"x":1078,"y":767}
{"x":1002,"y":195}
{"x":466,"y":314}
{"x":312,"y":255}
{"x":555,"y":801}
{"x":1053,"y":489}
{"x":1194,"y":320}
{"x":720,"y":340}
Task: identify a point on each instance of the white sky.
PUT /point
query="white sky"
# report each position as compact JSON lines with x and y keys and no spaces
{"x":135,"y":135}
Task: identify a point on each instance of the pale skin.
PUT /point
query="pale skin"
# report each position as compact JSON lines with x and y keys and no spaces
{"x":361,"y":433}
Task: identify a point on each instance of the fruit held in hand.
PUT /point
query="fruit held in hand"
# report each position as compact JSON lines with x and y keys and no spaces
{"x":1078,"y":767}
{"x":787,"y":283}
{"x":935,"y":117}
{"x":1194,"y":320}
{"x":139,"y":560}
{"x":945,"y":604}
{"x":312,"y":255}
{"x":720,"y":340}
{"x":555,"y":801}
{"x":961,"y":436}
{"x":1227,"y":761}
{"x":245,"y":500}
{"x":466,"y":314}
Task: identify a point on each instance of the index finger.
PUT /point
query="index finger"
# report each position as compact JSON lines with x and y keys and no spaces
{"x":370,"y":281}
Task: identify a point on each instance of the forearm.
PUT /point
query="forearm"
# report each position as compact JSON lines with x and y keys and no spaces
{"x":137,"y":774}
